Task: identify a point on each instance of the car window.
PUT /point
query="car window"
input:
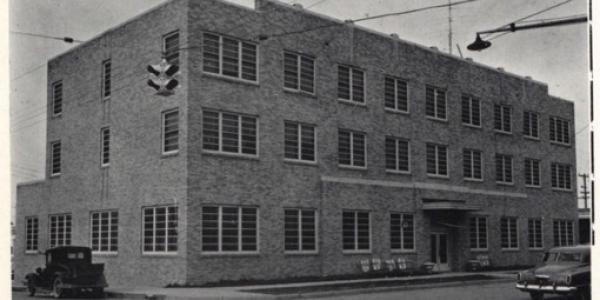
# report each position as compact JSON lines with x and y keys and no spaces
{"x":75,"y":255}
{"x":49,"y":258}
{"x":569,"y":257}
{"x":550,"y":256}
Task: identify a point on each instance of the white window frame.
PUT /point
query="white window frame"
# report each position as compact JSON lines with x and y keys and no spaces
{"x":299,"y":130}
{"x":220,"y":134}
{"x":528,"y":134}
{"x":105,"y":78}
{"x":539,"y":173}
{"x":555,"y":168}
{"x":435,"y":103}
{"x":105,"y":146}
{"x":414,"y":232}
{"x":355,"y":221}
{"x":299,"y":59}
{"x":164,"y":44}
{"x":508,"y":233}
{"x":166,"y":252}
{"x":571,"y":234}
{"x":67,"y":228}
{"x":510,"y":121}
{"x":52,"y":154}
{"x":352,"y":165}
{"x":239,"y":46}
{"x":396,"y":169}
{"x":481,"y":164}
{"x":240,"y":229}
{"x":351,"y":71}
{"x":163,"y":127}
{"x":395,"y":108}
{"x":535,"y":233}
{"x":32,"y":234}
{"x":62,"y":98}
{"x":478,"y":232}
{"x":512,"y":169}
{"x":564,"y":122}
{"x":471,"y":99}
{"x":437,"y":161}
{"x":100,"y":212}
{"x":300,"y":232}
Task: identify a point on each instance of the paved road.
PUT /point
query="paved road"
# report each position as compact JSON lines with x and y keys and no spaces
{"x":491,"y":291}
{"x":24,"y":296}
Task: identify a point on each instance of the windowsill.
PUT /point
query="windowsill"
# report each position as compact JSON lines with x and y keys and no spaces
{"x":437,"y":119}
{"x":568,"y":145}
{"x":355,"y":168}
{"x":300,"y":253}
{"x":353,"y":252}
{"x":510,"y":249}
{"x":106,"y":98}
{"x":397,"y":172}
{"x":503,"y":132}
{"x":105,"y":254}
{"x":351,"y":102}
{"x":479,"y":250}
{"x":58,"y":116}
{"x":169,"y":154}
{"x":403,"y":251}
{"x":233,"y":79}
{"x":533,"y":186}
{"x":230,"y":254}
{"x":471,"y":126}
{"x":160,"y":254}
{"x":437,"y":176}
{"x":562,"y":190}
{"x":300,"y":162}
{"x":505,"y":183}
{"x":531,"y":138}
{"x":473,"y":179}
{"x":56,"y":175}
{"x":397,"y":111}
{"x":300,"y":93}
{"x":32,"y":252}
{"x":104,"y":166}
{"x":232,"y":155}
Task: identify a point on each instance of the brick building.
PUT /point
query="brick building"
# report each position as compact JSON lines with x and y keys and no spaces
{"x":297,"y":145}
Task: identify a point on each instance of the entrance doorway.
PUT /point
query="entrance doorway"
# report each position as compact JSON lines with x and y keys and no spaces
{"x":439,"y":251}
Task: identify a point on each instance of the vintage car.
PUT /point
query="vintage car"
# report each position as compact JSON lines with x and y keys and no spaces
{"x":564,"y":271}
{"x":68,"y":269}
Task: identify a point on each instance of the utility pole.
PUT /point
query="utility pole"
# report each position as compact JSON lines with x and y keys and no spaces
{"x":450,"y":26}
{"x":584,"y":191}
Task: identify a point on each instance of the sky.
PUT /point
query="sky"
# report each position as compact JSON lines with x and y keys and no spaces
{"x":557,"y":55}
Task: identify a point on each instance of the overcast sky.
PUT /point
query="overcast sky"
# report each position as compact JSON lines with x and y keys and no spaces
{"x":557,"y":55}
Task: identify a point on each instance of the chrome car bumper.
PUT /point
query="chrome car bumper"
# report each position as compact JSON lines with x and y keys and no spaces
{"x":546,"y":288}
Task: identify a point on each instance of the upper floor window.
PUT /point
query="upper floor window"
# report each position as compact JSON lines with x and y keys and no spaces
{"x":105,"y":150}
{"x":352,"y":148}
{"x":31,"y":234}
{"x":559,"y":130}
{"x":298,"y":72}
{"x":471,"y":111}
{"x":478,"y":233}
{"x":300,"y":141}
{"x":106,"y":78}
{"x":509,"y":233}
{"x":351,"y":84}
{"x":561,"y":176}
{"x":435,"y":103}
{"x":230,"y":57}
{"x":531,"y":124}
{"x":171,"y":47}
{"x":105,"y":231}
{"x":563,"y":233}
{"x":55,"y":156}
{"x":396,"y":94}
{"x":535,"y":233}
{"x":502,"y":118}
{"x":60,"y":230}
{"x":437,"y":160}
{"x":356,"y":231}
{"x":229,"y":229}
{"x":472,"y":164}
{"x":300,"y":230}
{"x":532,"y":172}
{"x":229,"y":133}
{"x":170,"y":131}
{"x":402,"y":231}
{"x":504,"y":168}
{"x":160,"y":229}
{"x":57,"y":98}
{"x":397,"y":155}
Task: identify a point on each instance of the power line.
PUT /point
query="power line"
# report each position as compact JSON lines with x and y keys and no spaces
{"x":65,"y":39}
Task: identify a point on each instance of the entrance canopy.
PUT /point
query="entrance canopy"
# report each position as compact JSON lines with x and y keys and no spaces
{"x":447,"y":205}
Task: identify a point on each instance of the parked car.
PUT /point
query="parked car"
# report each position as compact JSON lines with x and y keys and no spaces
{"x":564,"y":271}
{"x":68,"y":269}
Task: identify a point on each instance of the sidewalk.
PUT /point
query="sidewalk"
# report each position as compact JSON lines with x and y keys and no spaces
{"x":309,"y":289}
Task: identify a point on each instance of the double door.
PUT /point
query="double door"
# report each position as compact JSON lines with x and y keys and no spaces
{"x":439,"y":251}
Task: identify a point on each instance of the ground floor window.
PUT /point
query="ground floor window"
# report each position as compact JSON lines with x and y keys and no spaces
{"x":229,"y":229}
{"x":534,"y":231}
{"x":356,"y":230}
{"x":563,"y":233}
{"x":300,"y":230}
{"x":160,"y":229}
{"x":509,"y":238}
{"x":478,"y":233}
{"x":31,"y":234}
{"x":60,"y":230}
{"x":105,"y":231}
{"x":402,"y":231}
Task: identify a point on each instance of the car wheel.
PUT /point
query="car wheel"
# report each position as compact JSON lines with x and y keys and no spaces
{"x":536,"y":295}
{"x":57,"y":291}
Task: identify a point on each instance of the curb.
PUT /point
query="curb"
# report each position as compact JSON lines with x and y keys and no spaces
{"x":127,"y":295}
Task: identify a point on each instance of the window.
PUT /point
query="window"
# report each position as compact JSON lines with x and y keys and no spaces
{"x":105,"y":231}
{"x":298,"y":72}
{"x":561,"y":176}
{"x":351,"y":84}
{"x":160,"y":229}
{"x":105,"y":152}
{"x":563,"y":233}
{"x":106,"y":70}
{"x":437,"y":160}
{"x":352,"y":148}
{"x":534,"y":232}
{"x":397,"y":155}
{"x":435,"y":103}
{"x":170,"y":136}
{"x":559,"y":130}
{"x":396,"y":94}
{"x":356,"y":229}
{"x":478,"y":233}
{"x":531,"y":124}
{"x":55,"y":150}
{"x":509,"y":238}
{"x":402,"y":231}
{"x":300,"y":141}
{"x":229,"y":229}
{"x":472,"y":164}
{"x":31,"y":234}
{"x":229,"y":133}
{"x":230,"y":57}
{"x":504,"y":168}
{"x":300,"y":230}
{"x":57,"y":98}
{"x":60,"y":230}
{"x":502,"y":118}
{"x":171,"y":47}
{"x":471,"y":111}
{"x":532,"y":172}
